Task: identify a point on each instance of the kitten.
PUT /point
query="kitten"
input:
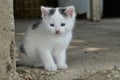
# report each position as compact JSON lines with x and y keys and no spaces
{"x":46,"y":41}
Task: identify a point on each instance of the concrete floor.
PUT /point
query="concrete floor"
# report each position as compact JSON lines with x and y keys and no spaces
{"x":95,"y":49}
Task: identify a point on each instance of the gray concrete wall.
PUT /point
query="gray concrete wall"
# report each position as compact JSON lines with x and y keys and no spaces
{"x":7,"y":43}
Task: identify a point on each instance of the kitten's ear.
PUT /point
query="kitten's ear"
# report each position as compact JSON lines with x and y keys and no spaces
{"x":70,"y":11}
{"x":44,"y":11}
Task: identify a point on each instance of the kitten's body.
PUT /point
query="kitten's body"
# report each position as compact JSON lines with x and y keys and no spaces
{"x":46,"y":42}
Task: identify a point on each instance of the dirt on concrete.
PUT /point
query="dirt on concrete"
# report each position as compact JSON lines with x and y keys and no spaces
{"x":94,"y":53}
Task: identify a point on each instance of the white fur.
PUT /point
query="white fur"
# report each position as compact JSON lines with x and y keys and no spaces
{"x":46,"y":48}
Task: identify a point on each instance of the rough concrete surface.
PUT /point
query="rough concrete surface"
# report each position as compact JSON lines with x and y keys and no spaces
{"x":7,"y":46}
{"x":94,"y":53}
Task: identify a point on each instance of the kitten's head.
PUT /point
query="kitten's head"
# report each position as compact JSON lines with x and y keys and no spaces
{"x":58,"y":20}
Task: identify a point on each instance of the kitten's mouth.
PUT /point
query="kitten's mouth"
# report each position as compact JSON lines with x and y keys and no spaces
{"x":57,"y":32}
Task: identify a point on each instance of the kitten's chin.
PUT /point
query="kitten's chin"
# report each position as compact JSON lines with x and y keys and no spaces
{"x":60,"y":34}
{"x":57,"y":33}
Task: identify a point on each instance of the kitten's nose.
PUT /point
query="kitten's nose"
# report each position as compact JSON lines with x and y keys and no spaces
{"x":57,"y":31}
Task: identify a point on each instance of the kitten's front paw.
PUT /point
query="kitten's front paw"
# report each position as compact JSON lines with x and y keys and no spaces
{"x":62,"y":66}
{"x":52,"y":67}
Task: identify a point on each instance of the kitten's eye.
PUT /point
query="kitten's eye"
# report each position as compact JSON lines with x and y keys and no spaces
{"x":62,"y":24}
{"x":52,"y":25}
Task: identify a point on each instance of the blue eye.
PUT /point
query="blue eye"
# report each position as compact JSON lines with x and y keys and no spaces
{"x":62,"y":24}
{"x":52,"y":25}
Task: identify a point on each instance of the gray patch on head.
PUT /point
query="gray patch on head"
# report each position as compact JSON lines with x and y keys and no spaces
{"x":36,"y":25}
{"x":62,"y":11}
{"x":51,"y":11}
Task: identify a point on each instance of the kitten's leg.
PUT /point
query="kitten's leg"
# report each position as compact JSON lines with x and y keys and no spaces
{"x":29,"y":57}
{"x":47,"y":60}
{"x":29,"y":61}
{"x":61,"y":60}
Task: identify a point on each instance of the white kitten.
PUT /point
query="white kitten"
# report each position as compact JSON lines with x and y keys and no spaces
{"x":46,"y":42}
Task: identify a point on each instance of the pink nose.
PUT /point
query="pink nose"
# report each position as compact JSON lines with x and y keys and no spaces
{"x":57,"y":31}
